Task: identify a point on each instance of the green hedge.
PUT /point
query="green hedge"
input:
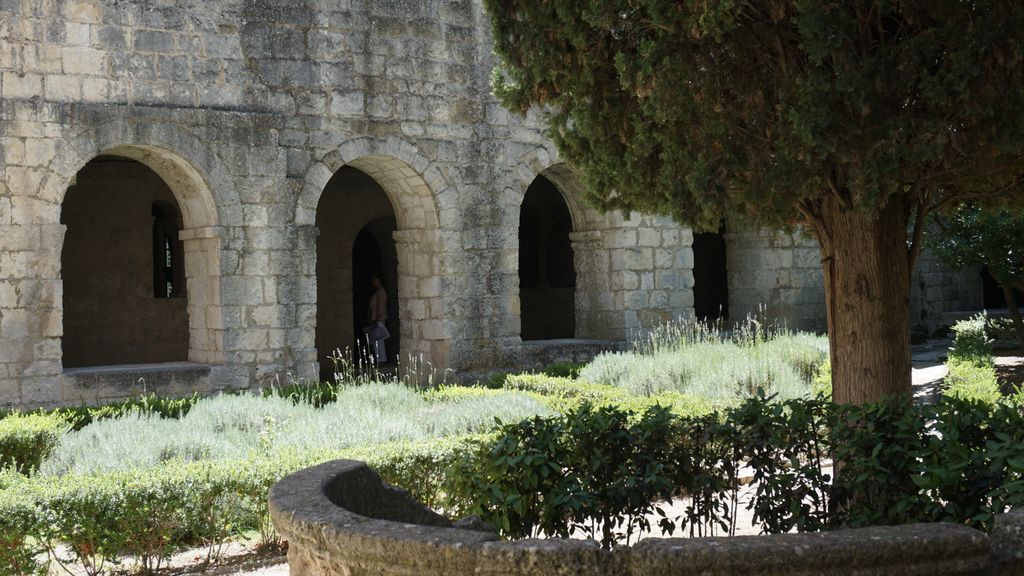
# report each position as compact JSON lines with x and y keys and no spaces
{"x":958,"y":461}
{"x":567,"y":394}
{"x":149,"y":514}
{"x":26,"y":439}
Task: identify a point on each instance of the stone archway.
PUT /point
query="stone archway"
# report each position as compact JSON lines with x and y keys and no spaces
{"x":139,"y":186}
{"x":406,"y":182}
{"x":547,"y":272}
{"x":197,"y":191}
{"x":594,"y":309}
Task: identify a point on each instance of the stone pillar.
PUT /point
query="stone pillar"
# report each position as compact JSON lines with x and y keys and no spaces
{"x":300,"y":338}
{"x":31,"y":323}
{"x":775,"y":274}
{"x":205,"y":315}
{"x":425,"y":332}
{"x":651,"y":271}
{"x":596,"y":317}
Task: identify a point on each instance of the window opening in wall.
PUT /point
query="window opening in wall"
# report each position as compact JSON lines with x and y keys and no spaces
{"x":122,"y":268}
{"x":547,"y":272}
{"x":710,"y":276}
{"x":167,"y":261}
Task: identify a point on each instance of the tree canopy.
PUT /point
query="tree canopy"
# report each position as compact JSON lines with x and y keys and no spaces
{"x":753,"y":110}
{"x":855,"y":119}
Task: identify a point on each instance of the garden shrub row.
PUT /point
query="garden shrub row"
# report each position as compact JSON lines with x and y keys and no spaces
{"x":149,"y":514}
{"x":79,"y":417}
{"x":564,"y":394}
{"x":597,"y":470}
{"x":972,"y":374}
{"x":26,"y":439}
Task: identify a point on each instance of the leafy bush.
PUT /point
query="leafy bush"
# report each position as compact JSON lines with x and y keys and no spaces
{"x":958,"y":461}
{"x":593,"y":470}
{"x":316,"y":393}
{"x":971,"y":342}
{"x":968,"y":380}
{"x":161,"y":406}
{"x":27,"y":439}
{"x":821,"y":385}
{"x":19,"y":521}
{"x":785,"y":445}
{"x":563,"y":369}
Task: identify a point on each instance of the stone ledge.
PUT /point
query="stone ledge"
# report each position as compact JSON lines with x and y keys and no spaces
{"x":313,"y":510}
{"x":118,"y":382}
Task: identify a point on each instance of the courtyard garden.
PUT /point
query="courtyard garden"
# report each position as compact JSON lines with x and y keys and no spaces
{"x":690,"y":412}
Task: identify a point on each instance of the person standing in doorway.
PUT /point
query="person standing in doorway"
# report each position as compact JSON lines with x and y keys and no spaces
{"x":376,"y":331}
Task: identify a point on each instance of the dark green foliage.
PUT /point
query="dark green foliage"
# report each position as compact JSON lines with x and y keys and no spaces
{"x":745,"y":110}
{"x":593,"y":470}
{"x":958,"y":461}
{"x":316,"y":393}
{"x":784,"y":444}
{"x":972,"y":236}
{"x":971,"y":342}
{"x":163,"y":406}
{"x":877,"y":445}
{"x":563,"y":370}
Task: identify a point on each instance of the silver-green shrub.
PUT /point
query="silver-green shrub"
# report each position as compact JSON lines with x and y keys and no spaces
{"x":237,"y":427}
{"x":698,"y":359}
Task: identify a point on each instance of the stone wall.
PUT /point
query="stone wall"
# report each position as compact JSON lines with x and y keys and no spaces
{"x":776,"y":274}
{"x":935,"y":292}
{"x":339,"y":518}
{"x":246,"y":109}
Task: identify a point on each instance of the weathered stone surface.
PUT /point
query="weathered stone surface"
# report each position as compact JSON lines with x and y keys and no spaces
{"x":1008,"y":544}
{"x":316,"y":511}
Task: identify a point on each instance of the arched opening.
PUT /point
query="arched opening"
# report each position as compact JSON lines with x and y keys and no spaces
{"x":547,"y":273}
{"x":357,"y":223}
{"x":374,"y":254}
{"x":123,"y":269}
{"x":710,"y":276}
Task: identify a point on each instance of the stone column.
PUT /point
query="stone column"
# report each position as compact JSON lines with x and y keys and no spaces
{"x":31,"y":318}
{"x":202,"y":274}
{"x":425,"y":332}
{"x":300,"y":338}
{"x":596,"y":317}
{"x":651,"y":271}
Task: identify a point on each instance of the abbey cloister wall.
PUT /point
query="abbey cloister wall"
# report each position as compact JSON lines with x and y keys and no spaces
{"x":246,"y":109}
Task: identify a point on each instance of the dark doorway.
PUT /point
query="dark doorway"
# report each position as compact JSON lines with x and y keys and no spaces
{"x":122,"y":265}
{"x":710,"y":276}
{"x":369,"y":258}
{"x":357,"y":223}
{"x":547,"y":273}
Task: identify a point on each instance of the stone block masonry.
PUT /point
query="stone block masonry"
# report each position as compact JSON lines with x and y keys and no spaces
{"x":245,"y":110}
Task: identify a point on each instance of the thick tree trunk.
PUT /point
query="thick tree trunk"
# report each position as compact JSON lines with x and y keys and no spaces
{"x":867,"y":292}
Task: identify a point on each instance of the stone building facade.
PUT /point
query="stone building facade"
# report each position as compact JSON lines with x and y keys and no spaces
{"x":193,"y":192}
